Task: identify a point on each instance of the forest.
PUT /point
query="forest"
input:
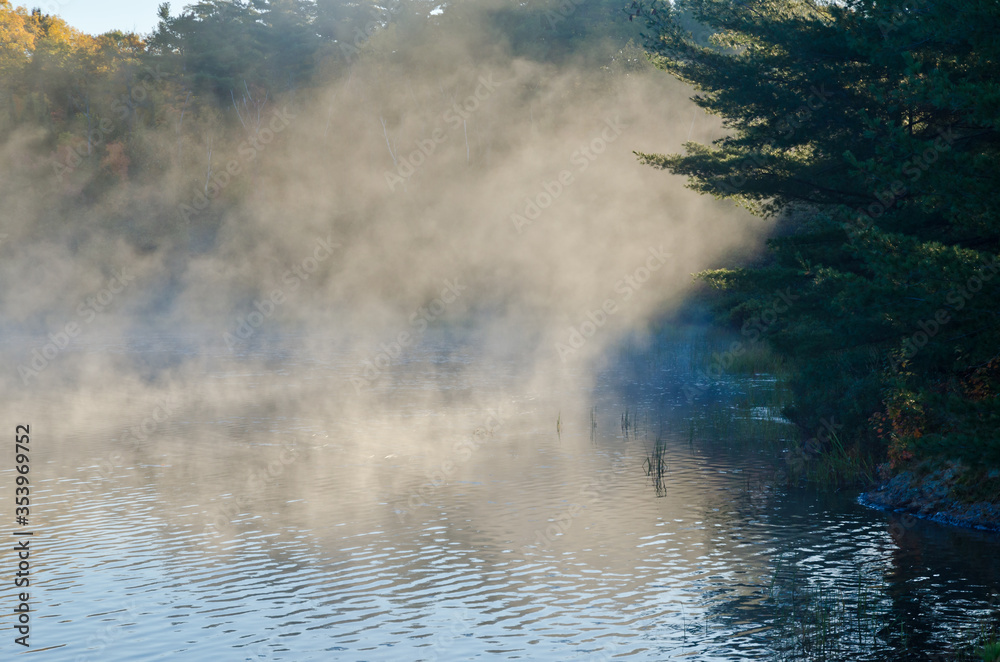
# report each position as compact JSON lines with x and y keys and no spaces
{"x":869,"y":129}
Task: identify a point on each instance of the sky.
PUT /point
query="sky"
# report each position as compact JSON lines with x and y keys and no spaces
{"x":97,"y":16}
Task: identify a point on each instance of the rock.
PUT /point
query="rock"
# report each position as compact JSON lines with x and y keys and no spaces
{"x":930,"y":498}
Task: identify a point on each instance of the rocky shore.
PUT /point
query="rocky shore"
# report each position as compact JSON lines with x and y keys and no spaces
{"x":931,"y":497}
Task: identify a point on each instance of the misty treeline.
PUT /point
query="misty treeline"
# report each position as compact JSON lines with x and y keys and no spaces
{"x":92,"y":112}
{"x":483,"y":144}
{"x":869,"y":128}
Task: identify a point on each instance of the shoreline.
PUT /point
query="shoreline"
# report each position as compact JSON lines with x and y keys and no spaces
{"x":929,"y":498}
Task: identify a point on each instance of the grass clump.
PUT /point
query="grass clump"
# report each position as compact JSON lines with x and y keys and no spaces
{"x":820,"y":622}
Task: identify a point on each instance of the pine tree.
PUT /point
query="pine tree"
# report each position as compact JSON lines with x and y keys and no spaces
{"x":869,"y":129}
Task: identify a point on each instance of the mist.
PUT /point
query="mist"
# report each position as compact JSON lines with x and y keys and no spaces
{"x":361,"y":331}
{"x":439,"y":195}
{"x":446,"y":185}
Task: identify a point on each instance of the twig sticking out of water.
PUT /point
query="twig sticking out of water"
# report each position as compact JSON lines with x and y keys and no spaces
{"x":656,"y":466}
{"x":593,"y":424}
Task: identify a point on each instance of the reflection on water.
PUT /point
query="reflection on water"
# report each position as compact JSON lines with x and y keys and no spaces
{"x":259,"y":511}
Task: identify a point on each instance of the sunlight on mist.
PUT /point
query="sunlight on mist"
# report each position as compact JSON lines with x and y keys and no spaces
{"x":445,"y":189}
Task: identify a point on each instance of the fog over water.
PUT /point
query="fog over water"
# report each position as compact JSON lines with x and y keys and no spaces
{"x":345,"y":380}
{"x":447,"y":185}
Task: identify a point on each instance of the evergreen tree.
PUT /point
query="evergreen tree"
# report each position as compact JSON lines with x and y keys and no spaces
{"x":868,"y":127}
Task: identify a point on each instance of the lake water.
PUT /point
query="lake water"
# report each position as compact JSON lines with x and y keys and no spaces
{"x":259,"y":508}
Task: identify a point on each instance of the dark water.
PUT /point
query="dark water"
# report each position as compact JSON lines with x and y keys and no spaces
{"x":459,"y":510}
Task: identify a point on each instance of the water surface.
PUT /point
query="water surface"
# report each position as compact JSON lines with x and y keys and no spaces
{"x":460,"y":510}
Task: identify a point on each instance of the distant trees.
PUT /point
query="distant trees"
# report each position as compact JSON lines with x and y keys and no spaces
{"x":216,"y":64}
{"x":870,"y":128}
{"x":41,"y":59}
{"x":17,"y":39}
{"x":93,"y":96}
{"x":51,"y":73}
{"x":221,"y":45}
{"x":560,"y":30}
